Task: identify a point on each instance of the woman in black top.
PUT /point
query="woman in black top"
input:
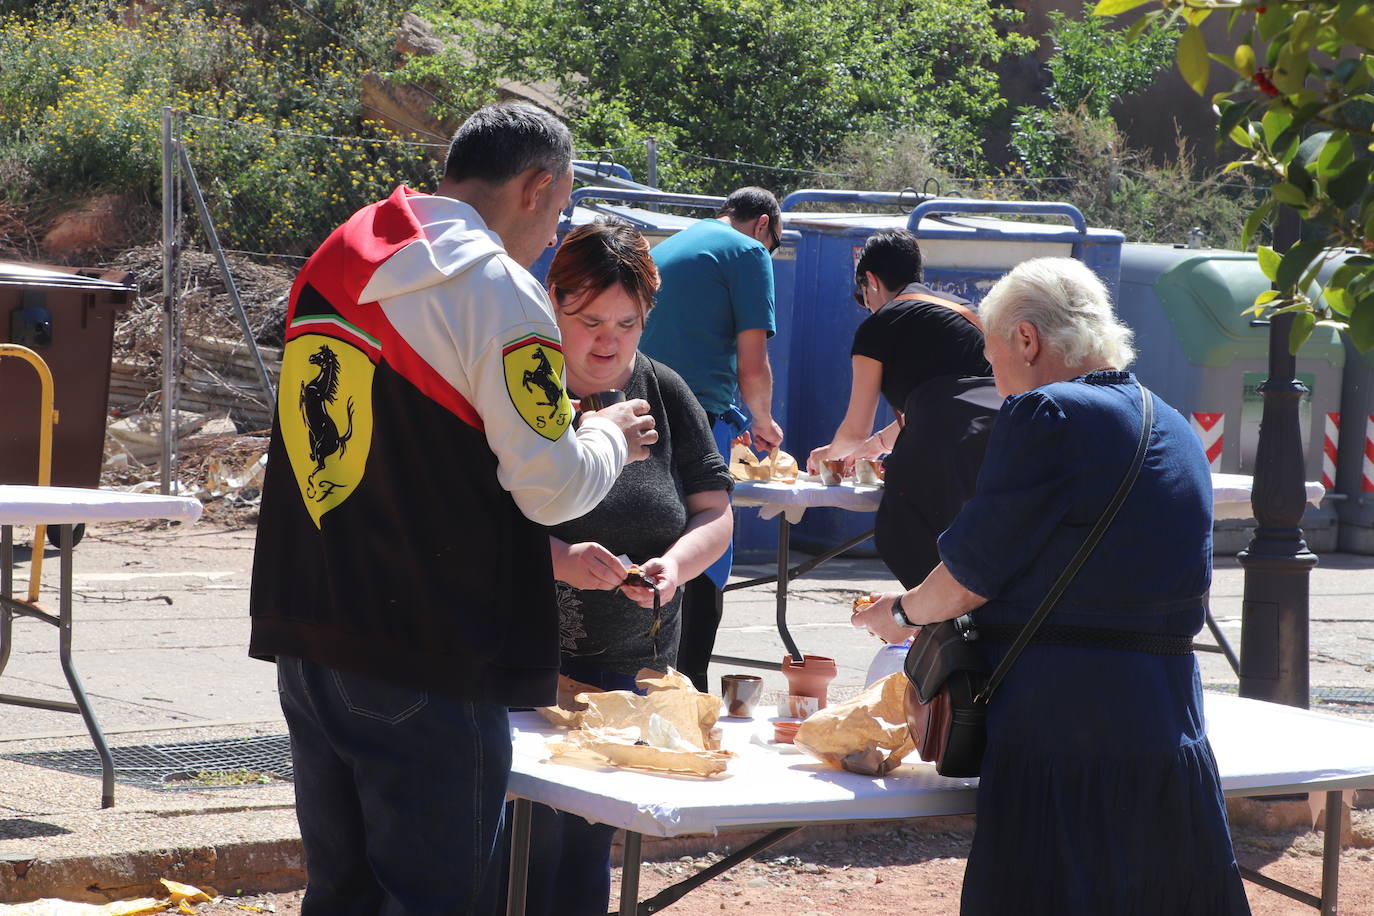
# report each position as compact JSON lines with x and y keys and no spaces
{"x":669,"y":514}
{"x":923,"y":352}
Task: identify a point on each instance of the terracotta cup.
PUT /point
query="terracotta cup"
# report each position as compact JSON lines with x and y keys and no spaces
{"x":866,"y":472}
{"x":832,"y":471}
{"x":809,"y":677}
{"x":785,"y":731}
{"x":740,"y":693}
{"x":800,"y":707}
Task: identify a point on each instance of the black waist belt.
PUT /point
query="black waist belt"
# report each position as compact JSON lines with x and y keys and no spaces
{"x":1092,"y":638}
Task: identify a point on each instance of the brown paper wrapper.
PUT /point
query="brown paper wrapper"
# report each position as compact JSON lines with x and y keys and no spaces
{"x":866,"y":735}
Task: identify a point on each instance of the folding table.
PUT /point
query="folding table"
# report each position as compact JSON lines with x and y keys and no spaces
{"x":788,"y":502}
{"x":1261,"y":748}
{"x":65,"y":507}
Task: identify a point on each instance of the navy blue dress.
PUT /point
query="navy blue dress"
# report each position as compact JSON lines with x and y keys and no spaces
{"x":1099,"y":792}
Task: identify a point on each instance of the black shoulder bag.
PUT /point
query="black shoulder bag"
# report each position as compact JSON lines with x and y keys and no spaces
{"x":948,"y":690}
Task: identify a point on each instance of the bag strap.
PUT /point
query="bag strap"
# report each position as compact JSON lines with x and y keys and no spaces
{"x":963,"y":310}
{"x":1066,"y":577}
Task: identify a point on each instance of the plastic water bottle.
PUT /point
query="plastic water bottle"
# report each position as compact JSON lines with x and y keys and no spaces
{"x":888,"y":661}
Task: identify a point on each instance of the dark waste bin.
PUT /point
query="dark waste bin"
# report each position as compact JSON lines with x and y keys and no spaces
{"x":67,"y":317}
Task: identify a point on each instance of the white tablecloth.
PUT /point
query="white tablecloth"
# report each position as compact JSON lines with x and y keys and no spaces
{"x":1230,"y":496}
{"x":1260,"y":747}
{"x":29,"y":505}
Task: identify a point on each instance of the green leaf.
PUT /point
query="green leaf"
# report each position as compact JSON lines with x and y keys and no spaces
{"x":1269,"y":261}
{"x":1360,"y":27}
{"x":1345,"y":69}
{"x":1117,"y":7}
{"x":1335,"y":155}
{"x":1253,"y":221}
{"x":1288,"y":194}
{"x":1295,"y":261}
{"x":1272,"y":20}
{"x":1290,"y":70}
{"x":1338,"y":299}
{"x":1311,"y":148}
{"x":1140,"y":25}
{"x":1346,"y":188}
{"x":1232,"y":113}
{"x":1362,"y":324}
{"x":1275,"y":122}
{"x":1300,"y":330}
{"x":1300,"y":178}
{"x":1192,"y":59}
{"x":1241,"y":137}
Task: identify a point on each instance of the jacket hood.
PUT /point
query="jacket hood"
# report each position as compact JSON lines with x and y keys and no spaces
{"x":407,"y":242}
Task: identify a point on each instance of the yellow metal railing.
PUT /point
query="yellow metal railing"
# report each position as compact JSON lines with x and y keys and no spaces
{"x":47,"y":419}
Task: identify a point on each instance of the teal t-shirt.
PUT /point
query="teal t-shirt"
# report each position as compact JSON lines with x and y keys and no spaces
{"x":716,"y":283}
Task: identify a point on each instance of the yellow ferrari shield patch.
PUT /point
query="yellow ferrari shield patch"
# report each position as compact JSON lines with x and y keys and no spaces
{"x":534,"y":379}
{"x":325,"y":412}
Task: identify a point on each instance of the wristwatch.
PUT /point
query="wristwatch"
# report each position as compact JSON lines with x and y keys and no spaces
{"x":899,"y":616}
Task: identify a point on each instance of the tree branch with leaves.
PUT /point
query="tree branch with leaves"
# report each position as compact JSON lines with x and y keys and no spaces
{"x":1300,"y":112}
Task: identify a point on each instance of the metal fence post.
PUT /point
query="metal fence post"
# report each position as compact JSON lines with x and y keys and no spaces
{"x":169,"y":261}
{"x":209,"y":227}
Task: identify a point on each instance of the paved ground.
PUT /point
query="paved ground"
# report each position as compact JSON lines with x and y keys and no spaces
{"x":159,"y":643}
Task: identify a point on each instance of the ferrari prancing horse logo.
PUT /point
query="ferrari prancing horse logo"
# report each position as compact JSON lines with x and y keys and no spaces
{"x":534,"y":379}
{"x":328,"y":428}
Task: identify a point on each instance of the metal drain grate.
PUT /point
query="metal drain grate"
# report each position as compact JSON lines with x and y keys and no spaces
{"x":224,"y":763}
{"x":1320,"y":696}
{"x":1353,"y":696}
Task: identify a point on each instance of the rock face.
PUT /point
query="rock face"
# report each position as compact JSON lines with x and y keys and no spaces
{"x":93,"y":224}
{"x":414,"y":36}
{"x":405,"y":108}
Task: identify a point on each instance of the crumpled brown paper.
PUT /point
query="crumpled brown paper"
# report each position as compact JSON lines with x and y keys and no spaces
{"x":777,"y":466}
{"x":181,"y":899}
{"x":866,"y":735}
{"x":672,"y":727}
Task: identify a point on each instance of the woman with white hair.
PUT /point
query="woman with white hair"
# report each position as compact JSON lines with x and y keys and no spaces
{"x":1099,"y":793}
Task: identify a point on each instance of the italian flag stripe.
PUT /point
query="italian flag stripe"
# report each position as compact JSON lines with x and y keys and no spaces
{"x":529,"y":339}
{"x":318,"y":322}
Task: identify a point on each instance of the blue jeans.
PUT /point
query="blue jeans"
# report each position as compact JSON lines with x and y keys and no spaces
{"x":399,"y":793}
{"x":570,"y":858}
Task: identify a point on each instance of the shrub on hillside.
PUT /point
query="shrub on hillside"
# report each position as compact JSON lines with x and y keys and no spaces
{"x":81,"y":102}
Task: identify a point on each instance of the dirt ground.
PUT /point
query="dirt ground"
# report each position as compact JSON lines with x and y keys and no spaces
{"x":910,"y":870}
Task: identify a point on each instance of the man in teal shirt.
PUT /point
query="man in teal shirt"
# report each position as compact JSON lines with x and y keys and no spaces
{"x":711,"y":322}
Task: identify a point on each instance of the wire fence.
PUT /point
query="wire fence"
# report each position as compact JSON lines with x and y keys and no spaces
{"x":272,"y":194}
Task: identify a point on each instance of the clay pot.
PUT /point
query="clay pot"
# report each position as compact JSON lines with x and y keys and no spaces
{"x":785,"y":731}
{"x":809,"y":677}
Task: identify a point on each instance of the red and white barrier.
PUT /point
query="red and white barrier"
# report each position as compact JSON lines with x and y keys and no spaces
{"x":1330,"y":442}
{"x":1367,"y":473}
{"x":1210,"y":428}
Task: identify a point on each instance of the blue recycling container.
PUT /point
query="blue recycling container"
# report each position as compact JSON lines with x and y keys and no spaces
{"x":966,"y":245}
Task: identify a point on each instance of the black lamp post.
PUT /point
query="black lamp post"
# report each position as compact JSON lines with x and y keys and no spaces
{"x":1274,"y":612}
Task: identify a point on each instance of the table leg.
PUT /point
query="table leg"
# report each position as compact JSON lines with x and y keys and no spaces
{"x":1222,"y":646}
{"x":6,"y":587}
{"x":784,"y":548}
{"x":1331,"y":853}
{"x":64,"y":643}
{"x":519,"y":857}
{"x":629,"y":874}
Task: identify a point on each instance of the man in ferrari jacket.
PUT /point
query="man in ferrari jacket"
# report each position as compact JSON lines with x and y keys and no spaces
{"x":402,"y":581}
